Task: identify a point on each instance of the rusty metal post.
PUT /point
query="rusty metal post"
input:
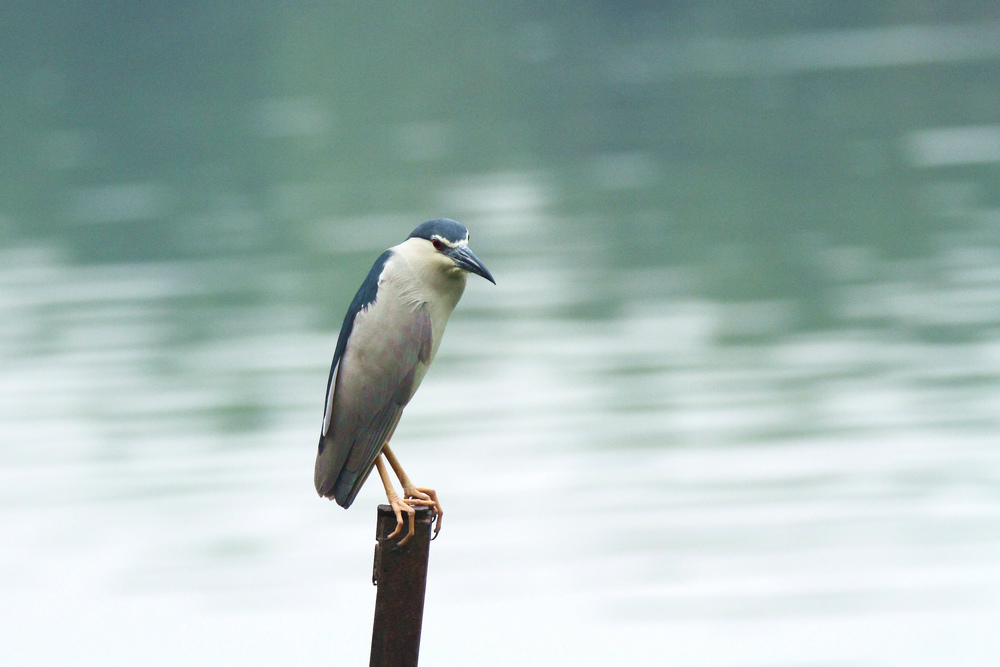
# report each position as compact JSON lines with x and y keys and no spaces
{"x":400,"y":572}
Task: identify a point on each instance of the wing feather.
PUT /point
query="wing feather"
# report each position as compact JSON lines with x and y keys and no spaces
{"x":381,"y":365}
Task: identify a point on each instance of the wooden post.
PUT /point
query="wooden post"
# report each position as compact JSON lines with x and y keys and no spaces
{"x":400,"y":572}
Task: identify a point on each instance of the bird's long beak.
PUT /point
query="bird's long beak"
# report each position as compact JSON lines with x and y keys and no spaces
{"x":466,"y":260}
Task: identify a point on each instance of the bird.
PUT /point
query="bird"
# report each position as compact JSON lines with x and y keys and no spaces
{"x":390,"y":335}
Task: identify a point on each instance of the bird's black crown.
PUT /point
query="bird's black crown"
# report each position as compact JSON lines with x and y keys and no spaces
{"x":449,"y":230}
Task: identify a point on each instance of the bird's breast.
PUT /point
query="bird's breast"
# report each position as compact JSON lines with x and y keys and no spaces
{"x":438,"y":292}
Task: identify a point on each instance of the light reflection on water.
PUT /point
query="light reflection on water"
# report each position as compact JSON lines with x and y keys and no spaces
{"x":688,"y":481}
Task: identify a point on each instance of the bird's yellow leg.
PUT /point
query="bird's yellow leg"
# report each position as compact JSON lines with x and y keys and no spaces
{"x":412,"y":494}
{"x":398,"y":506}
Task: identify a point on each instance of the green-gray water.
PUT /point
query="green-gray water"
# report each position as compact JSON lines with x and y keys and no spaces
{"x":734,"y":400}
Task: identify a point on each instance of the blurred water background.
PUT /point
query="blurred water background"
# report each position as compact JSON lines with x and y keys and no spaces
{"x":734,"y":400}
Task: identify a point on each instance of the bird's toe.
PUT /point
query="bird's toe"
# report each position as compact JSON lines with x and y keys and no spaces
{"x":398,"y":508}
{"x":425,"y":497}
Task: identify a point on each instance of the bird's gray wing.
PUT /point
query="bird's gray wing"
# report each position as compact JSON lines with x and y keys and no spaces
{"x":389,"y":346}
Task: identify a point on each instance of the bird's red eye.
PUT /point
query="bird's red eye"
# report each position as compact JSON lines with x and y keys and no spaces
{"x":437,"y":244}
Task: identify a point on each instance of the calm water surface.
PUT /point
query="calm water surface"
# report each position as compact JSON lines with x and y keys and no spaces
{"x":617,"y":489}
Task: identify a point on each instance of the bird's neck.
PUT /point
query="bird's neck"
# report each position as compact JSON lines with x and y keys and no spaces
{"x":426,"y":282}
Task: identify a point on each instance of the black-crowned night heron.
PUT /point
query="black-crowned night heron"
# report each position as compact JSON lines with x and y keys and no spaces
{"x":390,"y":335}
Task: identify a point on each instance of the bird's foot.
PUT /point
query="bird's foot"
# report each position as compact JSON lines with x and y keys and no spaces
{"x":420,"y":496}
{"x":398,"y":508}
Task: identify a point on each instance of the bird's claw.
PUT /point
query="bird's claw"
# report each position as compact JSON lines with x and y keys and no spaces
{"x":398,"y":507}
{"x":415,"y":497}
{"x":419,"y":496}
